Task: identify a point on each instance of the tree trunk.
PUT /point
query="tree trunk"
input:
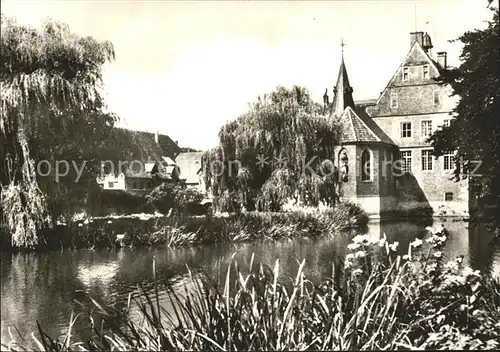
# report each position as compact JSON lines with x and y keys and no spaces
{"x":23,"y":204}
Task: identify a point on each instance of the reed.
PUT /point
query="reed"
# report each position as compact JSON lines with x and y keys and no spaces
{"x":380,"y":301}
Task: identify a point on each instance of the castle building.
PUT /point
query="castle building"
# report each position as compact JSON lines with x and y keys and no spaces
{"x":385,"y":161}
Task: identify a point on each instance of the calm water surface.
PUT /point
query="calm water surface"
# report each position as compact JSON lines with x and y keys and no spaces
{"x":46,"y":287}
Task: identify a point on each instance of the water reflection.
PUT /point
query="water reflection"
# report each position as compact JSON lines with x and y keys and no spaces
{"x":47,"y":286}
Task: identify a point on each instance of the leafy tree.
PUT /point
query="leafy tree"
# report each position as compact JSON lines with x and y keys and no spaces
{"x":52,"y":109}
{"x":273,"y":153}
{"x":475,"y":132}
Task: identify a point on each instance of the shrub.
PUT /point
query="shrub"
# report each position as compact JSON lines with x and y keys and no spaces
{"x":168,"y":197}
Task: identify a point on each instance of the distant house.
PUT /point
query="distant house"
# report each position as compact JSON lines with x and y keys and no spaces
{"x":190,"y":168}
{"x":149,"y":160}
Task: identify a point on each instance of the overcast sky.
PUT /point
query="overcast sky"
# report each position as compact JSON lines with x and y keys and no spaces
{"x":185,"y":68}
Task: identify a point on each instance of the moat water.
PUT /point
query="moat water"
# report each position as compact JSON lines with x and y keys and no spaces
{"x":47,"y":287}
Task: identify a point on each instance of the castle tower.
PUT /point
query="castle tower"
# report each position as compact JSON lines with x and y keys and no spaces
{"x":342,"y":91}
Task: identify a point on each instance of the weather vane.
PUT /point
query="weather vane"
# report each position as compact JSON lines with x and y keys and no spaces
{"x":342,"y":45}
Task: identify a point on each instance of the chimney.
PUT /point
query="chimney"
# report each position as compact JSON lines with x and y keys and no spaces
{"x":156,"y":137}
{"x":416,"y":37}
{"x":441,"y":59}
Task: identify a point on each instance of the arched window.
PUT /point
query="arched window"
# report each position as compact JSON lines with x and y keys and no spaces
{"x":366,"y":165}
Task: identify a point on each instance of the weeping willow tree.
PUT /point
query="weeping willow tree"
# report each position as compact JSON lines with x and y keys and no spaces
{"x":52,"y":109}
{"x":280,"y":150}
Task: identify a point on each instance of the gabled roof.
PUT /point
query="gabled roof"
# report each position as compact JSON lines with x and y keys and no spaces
{"x":416,"y":51}
{"x":358,"y":127}
{"x":190,"y":165}
{"x":142,"y":146}
{"x":365,"y":103}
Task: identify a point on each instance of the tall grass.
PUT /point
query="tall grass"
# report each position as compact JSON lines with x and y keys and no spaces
{"x":182,"y":230}
{"x":380,"y":301}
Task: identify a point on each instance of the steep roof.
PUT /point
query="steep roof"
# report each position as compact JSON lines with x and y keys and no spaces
{"x":190,"y":166}
{"x":365,"y":103}
{"x":142,"y":146}
{"x":358,"y":127}
{"x":342,"y":92}
{"x":416,"y":56}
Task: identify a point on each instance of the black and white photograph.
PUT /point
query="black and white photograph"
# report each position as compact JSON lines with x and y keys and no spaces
{"x":249,"y":175}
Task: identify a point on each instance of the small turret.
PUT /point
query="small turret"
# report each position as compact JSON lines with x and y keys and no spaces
{"x":427,"y":43}
{"x":342,"y":92}
{"x":326,"y":98}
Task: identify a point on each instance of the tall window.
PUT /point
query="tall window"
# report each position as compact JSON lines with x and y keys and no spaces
{"x":394,"y":100}
{"x":366,"y":167}
{"x":111,"y":184}
{"x":426,"y":160}
{"x":405,"y":129}
{"x":406,"y":160}
{"x":448,"y":161}
{"x":426,"y":128}
{"x":426,"y":71}
{"x":406,"y":74}
{"x":436,"y":98}
{"x":446,"y":123}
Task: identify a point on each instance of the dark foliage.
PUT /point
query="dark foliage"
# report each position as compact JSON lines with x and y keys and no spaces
{"x":475,"y":132}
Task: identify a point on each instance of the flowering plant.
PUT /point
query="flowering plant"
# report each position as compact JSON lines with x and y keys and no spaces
{"x":441,"y":301}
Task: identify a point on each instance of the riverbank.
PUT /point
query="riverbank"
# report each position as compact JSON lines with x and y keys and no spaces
{"x":182,"y":230}
{"x":380,"y":300}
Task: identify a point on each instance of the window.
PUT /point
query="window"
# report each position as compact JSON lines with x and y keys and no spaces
{"x":406,"y":160}
{"x":426,"y":160}
{"x":436,"y":98}
{"x":446,"y":123}
{"x":448,"y":196}
{"x":366,"y":170}
{"x":406,"y":74}
{"x":405,"y":129}
{"x":394,"y":100}
{"x":111,"y":184}
{"x":448,"y":161}
{"x":426,"y":128}
{"x":426,"y":72}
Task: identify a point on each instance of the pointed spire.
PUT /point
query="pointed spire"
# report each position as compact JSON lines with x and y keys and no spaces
{"x":343,"y":90}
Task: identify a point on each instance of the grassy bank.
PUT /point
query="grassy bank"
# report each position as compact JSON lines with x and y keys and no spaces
{"x":380,"y":301}
{"x":181,"y":230}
